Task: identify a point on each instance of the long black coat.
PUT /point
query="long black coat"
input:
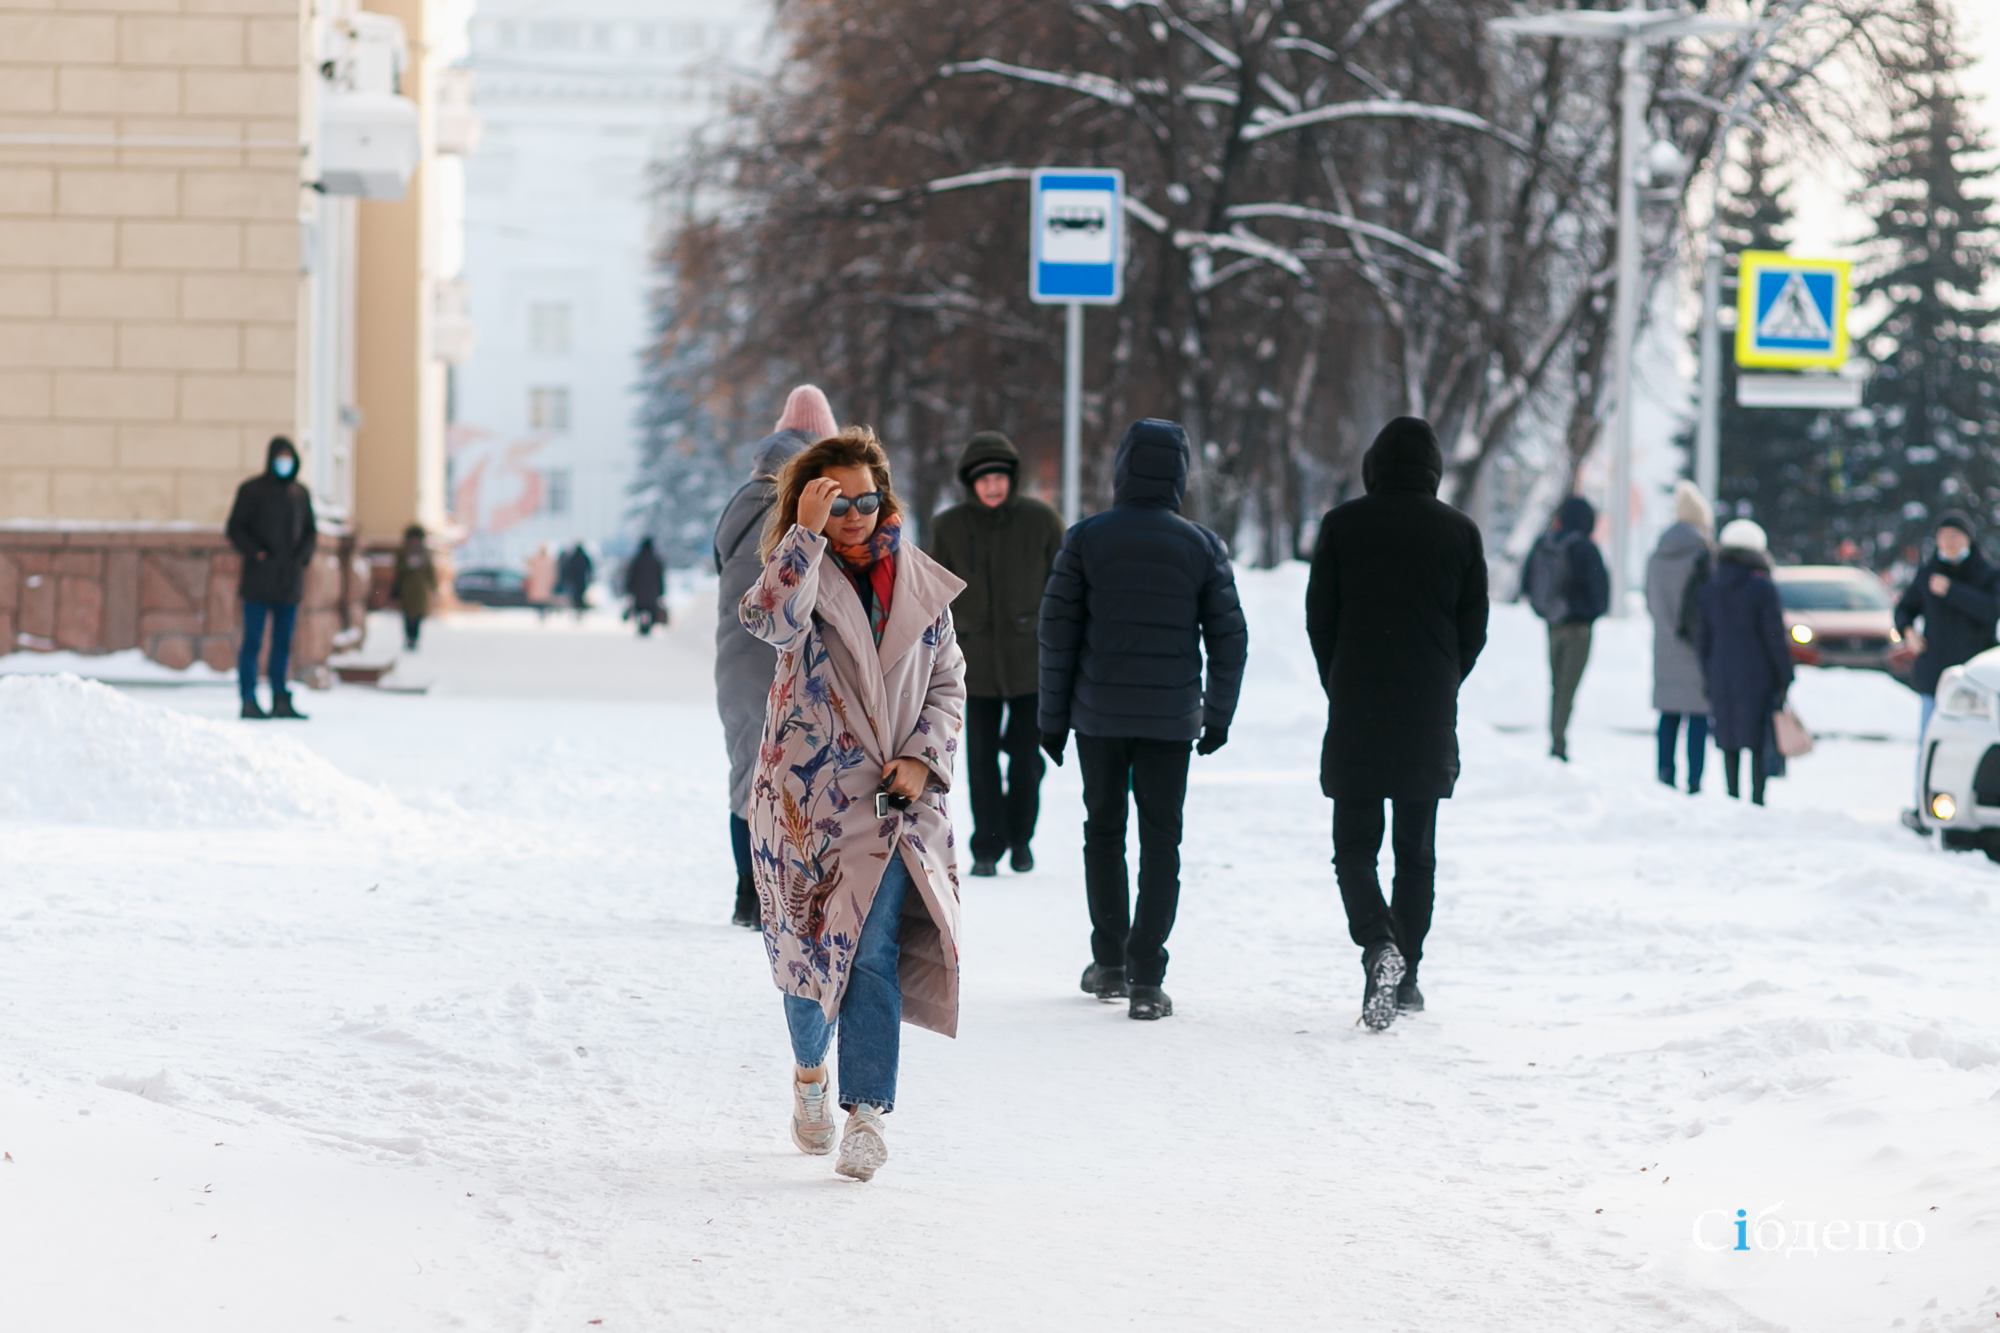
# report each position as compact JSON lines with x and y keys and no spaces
{"x":1957,"y":626}
{"x":272,"y":527}
{"x":1744,"y":652}
{"x":1004,"y":553}
{"x":1136,"y":594}
{"x":1396,"y":611}
{"x":645,"y":576}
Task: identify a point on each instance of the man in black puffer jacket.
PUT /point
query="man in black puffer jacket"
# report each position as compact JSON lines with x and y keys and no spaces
{"x":1396,"y":611}
{"x":1136,"y":593}
{"x":272,"y":527}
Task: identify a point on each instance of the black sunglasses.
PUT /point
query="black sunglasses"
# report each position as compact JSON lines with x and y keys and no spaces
{"x":866,"y":504}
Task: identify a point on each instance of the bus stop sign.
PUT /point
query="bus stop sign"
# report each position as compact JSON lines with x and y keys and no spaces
{"x":1791,"y":313}
{"x":1077,"y":236}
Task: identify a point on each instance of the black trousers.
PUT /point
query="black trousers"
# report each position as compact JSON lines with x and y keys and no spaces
{"x":1003,"y":818}
{"x":1154,"y":773}
{"x":1731,"y":767}
{"x":1357,"y":842}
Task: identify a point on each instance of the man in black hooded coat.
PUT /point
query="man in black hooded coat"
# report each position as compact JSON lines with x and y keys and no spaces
{"x":1136,"y":593}
{"x":1396,"y":612}
{"x":272,"y":527}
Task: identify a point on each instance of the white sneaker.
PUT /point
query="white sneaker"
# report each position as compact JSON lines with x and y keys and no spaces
{"x":812,"y":1118}
{"x":862,"y":1149}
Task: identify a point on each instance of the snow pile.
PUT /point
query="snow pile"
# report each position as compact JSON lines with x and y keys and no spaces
{"x":75,"y":751}
{"x":127,"y":667}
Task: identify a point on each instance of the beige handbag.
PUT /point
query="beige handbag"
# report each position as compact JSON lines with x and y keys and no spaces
{"x":1793,"y":738}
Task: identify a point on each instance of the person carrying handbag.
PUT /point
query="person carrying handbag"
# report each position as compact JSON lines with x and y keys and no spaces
{"x":1745,"y":657}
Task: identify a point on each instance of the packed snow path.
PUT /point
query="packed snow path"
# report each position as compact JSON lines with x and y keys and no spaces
{"x":434,"y":1020}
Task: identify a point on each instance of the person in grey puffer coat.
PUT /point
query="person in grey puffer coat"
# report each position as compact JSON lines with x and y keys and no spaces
{"x":1681,"y":564}
{"x":744,"y":664}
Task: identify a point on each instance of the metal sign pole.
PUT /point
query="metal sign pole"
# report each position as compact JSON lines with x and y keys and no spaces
{"x":1073,"y":415}
{"x":1625,"y":315}
{"x":1708,"y":429}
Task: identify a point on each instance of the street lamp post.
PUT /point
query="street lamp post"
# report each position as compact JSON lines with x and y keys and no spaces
{"x":1635,"y":27}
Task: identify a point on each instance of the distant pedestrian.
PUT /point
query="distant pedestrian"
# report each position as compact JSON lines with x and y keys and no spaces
{"x":1136,"y":594}
{"x":1396,"y":611}
{"x":1003,"y":544}
{"x":541,"y":582}
{"x":745,"y":664}
{"x":1956,"y":593}
{"x":1746,"y":657}
{"x":1568,"y":586}
{"x":1680,"y":568}
{"x":415,"y":583}
{"x":646,"y":585}
{"x":856,"y":871}
{"x":575,"y":573}
{"x":273,"y":529}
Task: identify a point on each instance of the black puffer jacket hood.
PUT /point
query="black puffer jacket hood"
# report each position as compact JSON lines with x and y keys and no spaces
{"x":988,"y":446}
{"x":280,"y":446}
{"x":1151,"y":469}
{"x":1576,"y":515}
{"x":1404,"y":457}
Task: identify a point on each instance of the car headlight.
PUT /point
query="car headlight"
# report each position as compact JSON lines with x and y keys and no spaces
{"x":1943,"y":806}
{"x":1802,"y":634}
{"x":1960,"y":697}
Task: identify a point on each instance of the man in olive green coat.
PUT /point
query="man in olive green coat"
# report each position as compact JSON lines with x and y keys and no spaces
{"x":1003,"y":544}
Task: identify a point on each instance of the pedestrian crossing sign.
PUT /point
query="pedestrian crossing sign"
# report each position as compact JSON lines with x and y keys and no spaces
{"x":1791,"y":313}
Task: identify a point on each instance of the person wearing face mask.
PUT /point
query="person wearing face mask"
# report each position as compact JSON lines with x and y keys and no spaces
{"x":1956,"y":593}
{"x":272,"y":527}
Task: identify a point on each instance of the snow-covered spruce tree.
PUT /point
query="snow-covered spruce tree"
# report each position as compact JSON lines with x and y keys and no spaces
{"x":687,"y":467}
{"x":1926,"y":438}
{"x":1776,"y":465}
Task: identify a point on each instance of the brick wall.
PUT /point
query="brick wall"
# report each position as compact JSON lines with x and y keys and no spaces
{"x":170,"y":594}
{"x":150,"y":294}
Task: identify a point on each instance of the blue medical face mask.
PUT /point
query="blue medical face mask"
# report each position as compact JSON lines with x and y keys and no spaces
{"x":285,"y":465}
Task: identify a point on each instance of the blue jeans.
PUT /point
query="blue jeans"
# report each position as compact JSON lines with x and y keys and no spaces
{"x":1670,"y":727}
{"x":871,"y":1012}
{"x":282,"y":616}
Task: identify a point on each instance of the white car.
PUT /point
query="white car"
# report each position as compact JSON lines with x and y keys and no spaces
{"x":1961,"y":758}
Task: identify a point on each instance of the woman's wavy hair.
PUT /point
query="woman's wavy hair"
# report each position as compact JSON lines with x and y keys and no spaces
{"x":854,"y":447}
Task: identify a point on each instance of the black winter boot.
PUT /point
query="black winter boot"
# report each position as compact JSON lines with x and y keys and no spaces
{"x":1409,"y":1000}
{"x":1384,"y":965}
{"x":1149,"y":1003}
{"x":1105,"y":983}
{"x":748,"y":914}
{"x":253,"y":710}
{"x":281,"y":706}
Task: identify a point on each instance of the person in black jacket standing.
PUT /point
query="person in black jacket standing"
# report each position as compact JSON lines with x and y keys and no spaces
{"x":272,"y":527}
{"x":1956,"y":593}
{"x":1136,"y":593}
{"x":1396,"y":612}
{"x":1568,"y":586}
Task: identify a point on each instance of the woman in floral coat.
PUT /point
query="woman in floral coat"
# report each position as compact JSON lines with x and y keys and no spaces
{"x":860,"y":908}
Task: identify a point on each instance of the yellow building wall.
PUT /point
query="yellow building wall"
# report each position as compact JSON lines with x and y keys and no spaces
{"x":150,"y":287}
{"x":399,"y":446}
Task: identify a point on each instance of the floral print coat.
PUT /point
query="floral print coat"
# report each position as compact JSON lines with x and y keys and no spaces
{"x":840,"y":708}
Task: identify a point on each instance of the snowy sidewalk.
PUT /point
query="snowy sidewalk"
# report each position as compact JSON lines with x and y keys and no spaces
{"x":445,"y":1029}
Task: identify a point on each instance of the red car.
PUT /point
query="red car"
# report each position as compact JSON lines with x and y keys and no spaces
{"x":1839,"y":616}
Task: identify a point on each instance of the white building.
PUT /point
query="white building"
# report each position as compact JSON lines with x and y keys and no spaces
{"x":578,"y":100}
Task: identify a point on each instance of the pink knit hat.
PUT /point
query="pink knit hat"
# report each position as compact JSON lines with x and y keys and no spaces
{"x":806,"y":409}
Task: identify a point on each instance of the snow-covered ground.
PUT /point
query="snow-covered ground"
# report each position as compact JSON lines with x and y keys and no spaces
{"x":425,"y":1014}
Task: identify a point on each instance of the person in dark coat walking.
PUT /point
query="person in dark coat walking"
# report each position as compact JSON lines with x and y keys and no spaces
{"x":577,"y":570}
{"x":1745,"y":654}
{"x":1136,"y":594}
{"x":273,"y":529}
{"x":1956,"y":593}
{"x":414,"y":584}
{"x":1003,"y":544}
{"x":1568,"y":586}
{"x":646,"y":584}
{"x":1396,"y":611}
{"x":745,"y":665}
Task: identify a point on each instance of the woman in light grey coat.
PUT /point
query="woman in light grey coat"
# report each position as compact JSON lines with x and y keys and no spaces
{"x":745,"y":664}
{"x":1680,"y":565}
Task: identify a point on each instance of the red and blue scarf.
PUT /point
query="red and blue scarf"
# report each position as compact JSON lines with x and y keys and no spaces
{"x":871,"y":567}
